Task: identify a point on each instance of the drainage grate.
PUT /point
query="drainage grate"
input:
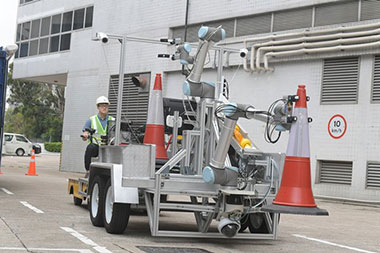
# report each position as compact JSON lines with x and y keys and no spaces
{"x":171,"y":250}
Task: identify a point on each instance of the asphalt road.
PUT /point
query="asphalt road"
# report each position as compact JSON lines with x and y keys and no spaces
{"x":37,"y":215}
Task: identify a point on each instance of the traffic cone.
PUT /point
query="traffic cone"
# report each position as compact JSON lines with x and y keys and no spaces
{"x":155,"y":129}
{"x":32,"y":165}
{"x":295,"y":195}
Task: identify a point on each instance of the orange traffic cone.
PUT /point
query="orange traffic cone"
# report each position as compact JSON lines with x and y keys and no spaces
{"x":295,"y":195}
{"x":32,"y":165}
{"x":155,"y":129}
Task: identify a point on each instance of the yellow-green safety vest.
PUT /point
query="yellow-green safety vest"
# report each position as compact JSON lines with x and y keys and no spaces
{"x":99,"y":130}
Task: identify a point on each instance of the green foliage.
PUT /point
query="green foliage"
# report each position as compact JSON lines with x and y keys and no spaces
{"x":36,"y":109}
{"x":53,"y":146}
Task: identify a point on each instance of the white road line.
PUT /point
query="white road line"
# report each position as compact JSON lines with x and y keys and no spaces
{"x":86,"y":240}
{"x":35,"y":209}
{"x":45,"y":249}
{"x":333,"y":244}
{"x":6,"y":191}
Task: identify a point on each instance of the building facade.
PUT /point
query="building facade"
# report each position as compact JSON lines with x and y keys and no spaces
{"x":330,"y":46}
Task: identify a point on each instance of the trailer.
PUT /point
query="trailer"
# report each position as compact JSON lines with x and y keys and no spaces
{"x":218,"y":175}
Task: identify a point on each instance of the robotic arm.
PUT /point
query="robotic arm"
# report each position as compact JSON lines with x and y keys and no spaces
{"x":280,"y":117}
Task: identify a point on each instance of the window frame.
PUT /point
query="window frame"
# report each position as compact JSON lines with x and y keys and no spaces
{"x":48,"y":33}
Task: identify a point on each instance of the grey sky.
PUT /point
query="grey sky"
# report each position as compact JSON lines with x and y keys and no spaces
{"x":8,"y":21}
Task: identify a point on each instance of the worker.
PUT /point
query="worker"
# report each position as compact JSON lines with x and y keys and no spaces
{"x":99,"y":123}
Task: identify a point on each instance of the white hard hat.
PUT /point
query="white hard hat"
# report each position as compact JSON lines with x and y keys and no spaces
{"x":102,"y":100}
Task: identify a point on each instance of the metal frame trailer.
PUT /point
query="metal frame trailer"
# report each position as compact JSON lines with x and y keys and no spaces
{"x":239,"y":181}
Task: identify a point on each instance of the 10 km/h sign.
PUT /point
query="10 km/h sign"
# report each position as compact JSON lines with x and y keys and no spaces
{"x":337,"y":126}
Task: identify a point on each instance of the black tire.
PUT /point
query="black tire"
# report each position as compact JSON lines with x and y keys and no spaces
{"x":259,"y":226}
{"x":77,"y":201}
{"x":263,"y":226}
{"x":20,"y":152}
{"x":244,"y":222}
{"x":116,"y":215}
{"x":97,"y":202}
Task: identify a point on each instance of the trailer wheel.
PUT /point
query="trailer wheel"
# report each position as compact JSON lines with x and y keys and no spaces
{"x":244,"y":222}
{"x":116,"y":215}
{"x":257,"y":223}
{"x":77,"y":201}
{"x":97,"y":202}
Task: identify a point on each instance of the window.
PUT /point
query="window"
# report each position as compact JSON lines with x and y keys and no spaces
{"x":89,"y":15}
{"x":65,"y":42}
{"x":335,"y":172}
{"x":78,"y":19}
{"x":340,"y":81}
{"x":27,"y":1}
{"x":33,"y":47}
{"x":54,"y":44}
{"x":51,"y":34}
{"x":67,"y":21}
{"x":35,"y":29}
{"x":56,"y":24}
{"x":24,"y":49}
{"x":44,"y":45}
{"x":18,"y":50}
{"x":18,"y":34}
{"x":25,"y":31}
{"x":21,"y":138}
{"x":45,"y":27}
{"x":8,"y":137}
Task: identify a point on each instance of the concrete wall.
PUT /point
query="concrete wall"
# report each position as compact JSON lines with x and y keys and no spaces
{"x":89,"y":64}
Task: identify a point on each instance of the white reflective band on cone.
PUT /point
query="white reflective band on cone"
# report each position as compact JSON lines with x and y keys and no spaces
{"x":156,"y":109}
{"x":299,"y":134}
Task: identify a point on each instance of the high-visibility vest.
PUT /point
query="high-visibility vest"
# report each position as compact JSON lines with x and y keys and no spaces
{"x":99,"y":130}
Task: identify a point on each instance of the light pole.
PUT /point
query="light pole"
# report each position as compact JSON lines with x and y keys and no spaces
{"x":104,"y":38}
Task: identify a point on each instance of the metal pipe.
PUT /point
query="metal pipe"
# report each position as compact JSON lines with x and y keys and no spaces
{"x":305,"y":34}
{"x":120,"y":92}
{"x":186,"y":19}
{"x":317,"y":50}
{"x":341,"y":38}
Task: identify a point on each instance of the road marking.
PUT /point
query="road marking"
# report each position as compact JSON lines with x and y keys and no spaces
{"x":45,"y":249}
{"x":333,"y":244}
{"x":31,"y":207}
{"x":6,"y":191}
{"x":86,"y":240}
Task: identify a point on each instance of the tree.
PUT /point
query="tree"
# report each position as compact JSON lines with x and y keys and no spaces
{"x":36,"y":109}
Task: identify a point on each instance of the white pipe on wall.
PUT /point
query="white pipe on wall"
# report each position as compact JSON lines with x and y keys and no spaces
{"x":340,"y":41}
{"x":317,"y":50}
{"x":340,"y":33}
{"x":256,"y":57}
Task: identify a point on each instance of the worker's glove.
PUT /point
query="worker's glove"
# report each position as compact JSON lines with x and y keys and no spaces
{"x":85,"y":135}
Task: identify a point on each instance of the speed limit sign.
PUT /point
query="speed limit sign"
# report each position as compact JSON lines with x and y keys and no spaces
{"x":337,"y":126}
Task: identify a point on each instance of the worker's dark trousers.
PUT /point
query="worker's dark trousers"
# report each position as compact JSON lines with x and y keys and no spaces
{"x":92,"y":150}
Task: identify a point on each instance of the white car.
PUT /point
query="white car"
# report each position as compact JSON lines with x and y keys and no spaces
{"x":16,"y":144}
